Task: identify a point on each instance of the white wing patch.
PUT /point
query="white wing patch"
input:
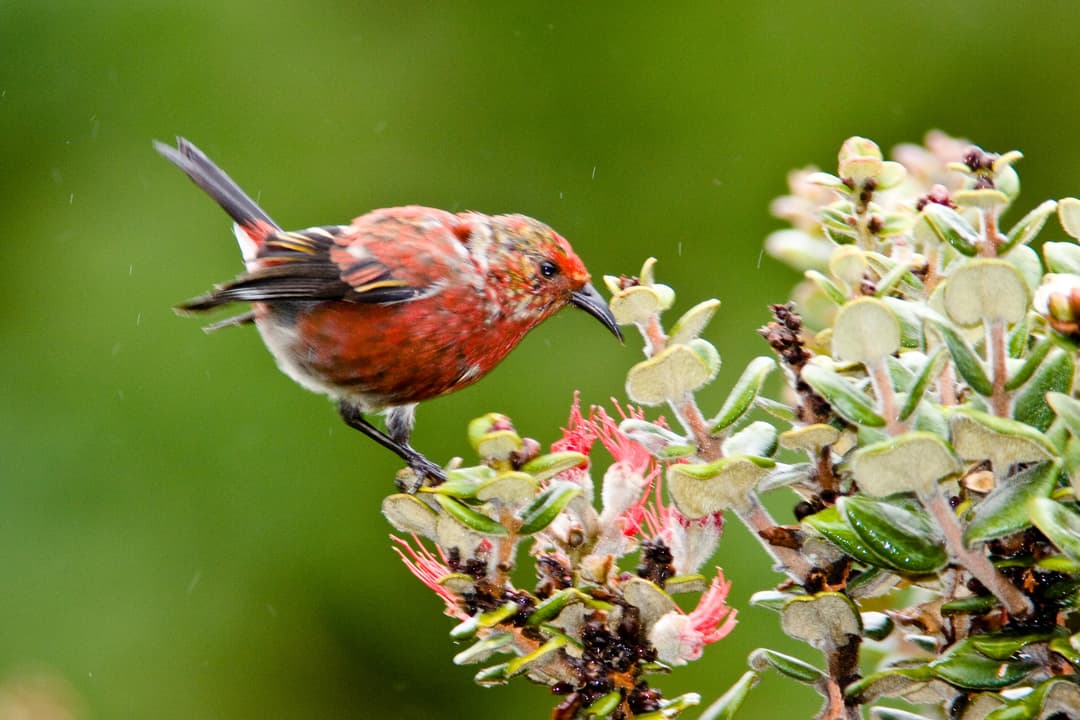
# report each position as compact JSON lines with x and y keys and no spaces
{"x":248,"y":248}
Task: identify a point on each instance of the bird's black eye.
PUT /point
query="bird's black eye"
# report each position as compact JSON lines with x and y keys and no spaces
{"x":549,"y":269}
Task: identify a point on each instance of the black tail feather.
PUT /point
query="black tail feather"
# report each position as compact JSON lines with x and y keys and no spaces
{"x":293,"y":281}
{"x":215,"y":182}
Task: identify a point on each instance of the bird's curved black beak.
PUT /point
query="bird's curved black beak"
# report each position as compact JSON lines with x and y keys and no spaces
{"x":590,"y":301}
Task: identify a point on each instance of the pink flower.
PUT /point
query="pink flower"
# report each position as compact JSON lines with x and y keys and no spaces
{"x":692,"y":542}
{"x":680,"y":637}
{"x":578,"y":435}
{"x":430,"y":570}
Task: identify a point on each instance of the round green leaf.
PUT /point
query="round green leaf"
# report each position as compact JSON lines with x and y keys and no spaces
{"x":651,"y":601}
{"x":407,"y":513}
{"x":912,"y":462}
{"x":825,"y":620}
{"x":701,"y":490}
{"x":980,"y":436}
{"x":865,"y":331}
{"x":986,"y":290}
{"x":1062,"y":257}
{"x":1069,"y":214}
{"x":670,"y":375}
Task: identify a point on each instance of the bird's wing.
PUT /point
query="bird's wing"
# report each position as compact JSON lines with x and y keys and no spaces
{"x":298,"y":266}
{"x":386,"y":256}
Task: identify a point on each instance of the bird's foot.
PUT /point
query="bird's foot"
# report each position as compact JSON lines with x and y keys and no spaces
{"x":417,"y":474}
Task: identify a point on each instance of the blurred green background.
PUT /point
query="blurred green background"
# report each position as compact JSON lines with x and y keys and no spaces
{"x":184,"y":533}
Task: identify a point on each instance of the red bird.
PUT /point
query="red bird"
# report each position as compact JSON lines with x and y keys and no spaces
{"x":401,"y":305}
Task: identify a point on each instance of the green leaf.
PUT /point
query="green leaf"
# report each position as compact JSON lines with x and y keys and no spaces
{"x":410,"y":514}
{"x":520,"y":664}
{"x":825,"y":620}
{"x":757,"y":438}
{"x":481,"y":650}
{"x":470,"y":518}
{"x":1004,"y":511}
{"x":831,"y":289}
{"x":725,"y":707}
{"x":866,"y":331}
{"x":911,"y":329}
{"x":1054,"y":375}
{"x":603,"y":706}
{"x":927,"y":374}
{"x":1062,"y":257}
{"x":494,"y":675}
{"x":852,"y":405}
{"x":1002,"y":646}
{"x":897,"y":682}
{"x":1026,"y":262}
{"x":837,"y":218}
{"x":887,"y":713}
{"x":703,"y":489}
{"x":743,"y":393}
{"x":774,"y":600}
{"x":876,"y":625}
{"x":779,"y":410}
{"x":652,"y":601}
{"x":978,"y":435}
{"x":550,"y":608}
{"x":964,"y":358}
{"x":764,"y":658}
{"x":950,"y":227}
{"x":550,"y":465}
{"x":986,"y":290}
{"x":1057,"y":522}
{"x":659,"y":441}
{"x":888,"y":281}
{"x":546,"y":506}
{"x":884,"y":265}
{"x":693,"y":322}
{"x":965,"y":667}
{"x":833,"y":527}
{"x":975,"y":605}
{"x":1069,"y":215}
{"x":912,"y":462}
{"x":1031,"y":363}
{"x":1018,"y":337}
{"x":1024,"y":231}
{"x":904,"y":538}
{"x":672,"y":374}
{"x":462,"y":483}
{"x":1068,"y":409}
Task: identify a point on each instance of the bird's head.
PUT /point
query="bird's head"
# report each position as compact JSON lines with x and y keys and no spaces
{"x":538,"y":273}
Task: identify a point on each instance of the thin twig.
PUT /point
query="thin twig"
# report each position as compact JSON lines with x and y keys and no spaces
{"x":999,"y":399}
{"x":1016,"y":602}
{"x":791,"y":561}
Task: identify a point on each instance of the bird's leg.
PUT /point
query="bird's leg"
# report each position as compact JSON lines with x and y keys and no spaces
{"x":396,"y":442}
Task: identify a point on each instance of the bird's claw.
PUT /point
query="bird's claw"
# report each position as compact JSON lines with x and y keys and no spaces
{"x":420,"y":470}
